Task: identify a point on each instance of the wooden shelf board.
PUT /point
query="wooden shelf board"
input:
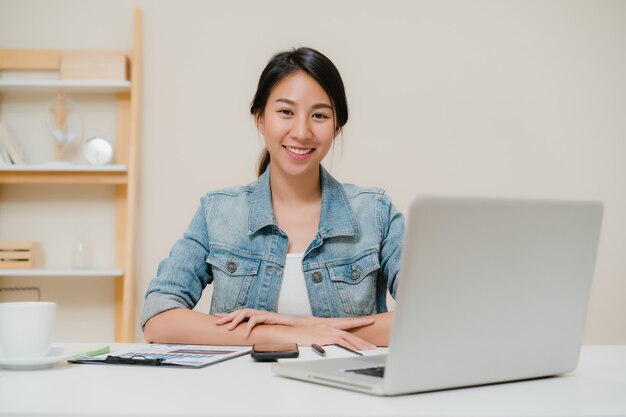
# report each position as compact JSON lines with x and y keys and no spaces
{"x":62,"y":168}
{"x":79,"y":174}
{"x":71,"y":86}
{"x":53,"y":272}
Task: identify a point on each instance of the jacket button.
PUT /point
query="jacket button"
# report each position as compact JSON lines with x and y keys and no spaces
{"x":354,"y":274}
{"x":317,"y":277}
{"x":232,"y":266}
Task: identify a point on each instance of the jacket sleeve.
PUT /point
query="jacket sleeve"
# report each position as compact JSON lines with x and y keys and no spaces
{"x":183,"y":275}
{"x":391,"y":244}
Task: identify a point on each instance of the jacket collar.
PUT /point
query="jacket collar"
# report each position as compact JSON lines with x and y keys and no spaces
{"x":336,"y":217}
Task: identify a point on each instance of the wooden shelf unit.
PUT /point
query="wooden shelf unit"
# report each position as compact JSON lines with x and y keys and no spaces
{"x":124,"y":177}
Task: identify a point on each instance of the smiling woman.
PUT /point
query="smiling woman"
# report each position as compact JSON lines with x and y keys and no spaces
{"x":323,"y":80}
{"x":298,"y":126}
{"x":295,"y":256}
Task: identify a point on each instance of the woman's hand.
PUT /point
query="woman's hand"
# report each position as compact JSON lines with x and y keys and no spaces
{"x":309,"y":329}
{"x":255,"y":317}
{"x":327,"y":334}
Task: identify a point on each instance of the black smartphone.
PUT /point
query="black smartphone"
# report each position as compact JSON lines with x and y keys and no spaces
{"x":273,"y":351}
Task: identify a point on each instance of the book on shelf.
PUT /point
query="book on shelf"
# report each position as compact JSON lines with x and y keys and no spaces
{"x":9,"y":147}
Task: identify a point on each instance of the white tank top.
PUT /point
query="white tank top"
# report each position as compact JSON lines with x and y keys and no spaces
{"x":293,"y":299}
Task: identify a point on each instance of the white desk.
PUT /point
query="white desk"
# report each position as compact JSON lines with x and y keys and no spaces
{"x":241,"y":387}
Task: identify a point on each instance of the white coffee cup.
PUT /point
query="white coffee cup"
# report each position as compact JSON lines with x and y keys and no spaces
{"x":26,"y":328}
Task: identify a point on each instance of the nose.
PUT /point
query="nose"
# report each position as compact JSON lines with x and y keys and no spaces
{"x":301,"y":128}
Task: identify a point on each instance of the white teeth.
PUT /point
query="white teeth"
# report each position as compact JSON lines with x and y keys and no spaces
{"x":299,"y":151}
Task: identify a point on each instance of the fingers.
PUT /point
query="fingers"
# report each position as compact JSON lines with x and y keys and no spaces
{"x":267,"y":318}
{"x":240,"y":317}
{"x":251,"y":323}
{"x":254,"y":317}
{"x":354,"y":342}
{"x":335,"y":331}
{"x":358,"y":343}
{"x":229,"y":317}
{"x":325,"y":334}
{"x":225,"y":317}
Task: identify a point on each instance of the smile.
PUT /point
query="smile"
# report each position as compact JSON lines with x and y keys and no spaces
{"x":299,"y":151}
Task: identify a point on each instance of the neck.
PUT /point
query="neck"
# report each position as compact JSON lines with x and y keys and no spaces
{"x":289,"y":189}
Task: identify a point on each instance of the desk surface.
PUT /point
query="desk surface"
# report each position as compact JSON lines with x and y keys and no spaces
{"x":242,"y":387}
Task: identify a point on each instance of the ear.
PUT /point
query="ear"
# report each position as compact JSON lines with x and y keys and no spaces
{"x":260,"y":123}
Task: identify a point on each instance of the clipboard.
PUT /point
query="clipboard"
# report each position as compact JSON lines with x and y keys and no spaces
{"x":186,"y":356}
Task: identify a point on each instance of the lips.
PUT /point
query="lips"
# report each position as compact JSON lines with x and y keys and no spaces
{"x":299,"y":151}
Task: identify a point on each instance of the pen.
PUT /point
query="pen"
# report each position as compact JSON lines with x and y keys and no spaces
{"x":135,"y":360}
{"x":318,"y":349}
{"x":349,"y":350}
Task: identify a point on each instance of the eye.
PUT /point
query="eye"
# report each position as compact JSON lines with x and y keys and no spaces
{"x":285,"y":112}
{"x":320,"y":116}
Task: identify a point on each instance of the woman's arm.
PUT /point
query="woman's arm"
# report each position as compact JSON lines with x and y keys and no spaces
{"x":181,"y":325}
{"x":377,"y":332}
{"x":186,"y":326}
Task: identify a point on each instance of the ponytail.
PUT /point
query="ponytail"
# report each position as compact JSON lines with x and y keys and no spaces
{"x":264,"y":161}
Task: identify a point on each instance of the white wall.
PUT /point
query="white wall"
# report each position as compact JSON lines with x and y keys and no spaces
{"x":496,"y":98}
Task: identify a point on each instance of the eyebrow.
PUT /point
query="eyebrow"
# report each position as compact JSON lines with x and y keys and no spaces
{"x":314,"y":107}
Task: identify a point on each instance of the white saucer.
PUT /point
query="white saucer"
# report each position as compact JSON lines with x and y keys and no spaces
{"x":57,"y":353}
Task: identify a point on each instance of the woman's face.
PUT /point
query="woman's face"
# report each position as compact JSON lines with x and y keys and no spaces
{"x":298,"y":125}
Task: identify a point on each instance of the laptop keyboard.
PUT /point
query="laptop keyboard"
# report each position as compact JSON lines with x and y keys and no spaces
{"x":378,"y":371}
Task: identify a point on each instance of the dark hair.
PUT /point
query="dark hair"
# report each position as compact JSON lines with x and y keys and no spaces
{"x":315,"y":64}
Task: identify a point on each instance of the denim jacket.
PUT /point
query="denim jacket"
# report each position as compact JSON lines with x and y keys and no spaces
{"x":234,"y":243}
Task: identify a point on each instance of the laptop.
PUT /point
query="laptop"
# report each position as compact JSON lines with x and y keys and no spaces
{"x":490,"y":290}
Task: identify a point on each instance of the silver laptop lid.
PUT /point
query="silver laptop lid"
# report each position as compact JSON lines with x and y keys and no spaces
{"x":491,"y":290}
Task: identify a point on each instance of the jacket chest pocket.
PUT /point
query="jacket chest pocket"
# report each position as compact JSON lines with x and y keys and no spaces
{"x":355,"y":282}
{"x":233,"y":275}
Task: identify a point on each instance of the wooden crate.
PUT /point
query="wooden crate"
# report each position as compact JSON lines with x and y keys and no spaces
{"x":21,"y":255}
{"x":94,"y":65}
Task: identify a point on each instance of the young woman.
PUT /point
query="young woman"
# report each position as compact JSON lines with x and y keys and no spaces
{"x":295,"y":256}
